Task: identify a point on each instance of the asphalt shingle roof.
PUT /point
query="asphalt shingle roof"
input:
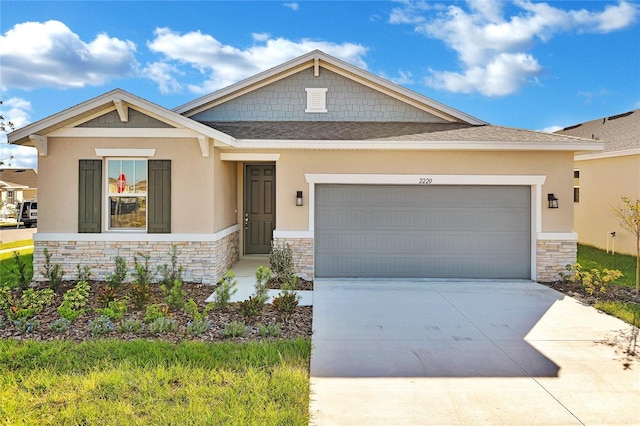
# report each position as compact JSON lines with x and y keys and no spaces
{"x":619,"y":132}
{"x":27,"y":177}
{"x":380,"y":131}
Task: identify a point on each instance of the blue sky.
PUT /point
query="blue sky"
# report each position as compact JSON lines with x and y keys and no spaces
{"x":527,"y":64}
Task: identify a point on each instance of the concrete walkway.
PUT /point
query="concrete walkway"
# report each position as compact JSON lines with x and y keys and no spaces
{"x":245,"y":270}
{"x":462,"y":353}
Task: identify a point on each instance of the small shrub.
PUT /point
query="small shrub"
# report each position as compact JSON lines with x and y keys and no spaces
{"x":30,"y":304}
{"x":171,"y":273}
{"x":174,"y":295}
{"x":198,"y":326}
{"x":26,"y":325}
{"x":115,"y":309}
{"x":83,"y":273}
{"x":269,"y":330}
{"x":235,"y":329}
{"x":52,"y":272}
{"x":101,"y":325}
{"x":118,"y":277}
{"x":281,"y":261}
{"x":191,"y":308}
{"x":60,"y":325}
{"x":263,"y":276}
{"x":23,"y":272}
{"x":593,"y":280}
{"x":251,"y":307}
{"x":6,"y":299}
{"x":287,"y":300}
{"x":142,"y":272}
{"x":140,"y":294}
{"x":130,"y":326}
{"x":105,"y":295}
{"x":154,"y":312}
{"x":162,"y":325}
{"x":78,"y":296}
{"x":225,"y":289}
{"x":68,"y":313}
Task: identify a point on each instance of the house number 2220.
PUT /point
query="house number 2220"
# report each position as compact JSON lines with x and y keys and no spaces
{"x":425,"y":181}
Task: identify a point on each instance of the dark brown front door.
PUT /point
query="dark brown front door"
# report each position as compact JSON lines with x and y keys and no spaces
{"x":259,"y":207}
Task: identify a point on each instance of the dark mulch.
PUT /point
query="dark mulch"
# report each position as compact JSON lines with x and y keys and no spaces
{"x":301,"y":284}
{"x":293,"y":325}
{"x":613,"y":294}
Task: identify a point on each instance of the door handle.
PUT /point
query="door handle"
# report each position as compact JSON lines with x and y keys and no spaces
{"x":246,"y":221}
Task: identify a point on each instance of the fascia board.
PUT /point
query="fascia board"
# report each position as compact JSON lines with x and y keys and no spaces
{"x":416,"y":145}
{"x":609,"y":154}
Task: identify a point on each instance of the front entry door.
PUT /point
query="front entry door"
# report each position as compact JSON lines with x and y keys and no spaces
{"x":259,"y":207}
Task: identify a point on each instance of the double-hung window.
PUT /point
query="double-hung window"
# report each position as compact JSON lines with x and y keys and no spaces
{"x":127,"y":194}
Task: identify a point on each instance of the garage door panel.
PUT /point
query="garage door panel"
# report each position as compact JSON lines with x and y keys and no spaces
{"x":416,"y":231}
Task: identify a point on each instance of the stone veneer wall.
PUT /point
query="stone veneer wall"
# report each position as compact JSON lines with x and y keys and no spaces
{"x":553,"y":256}
{"x":203,"y":261}
{"x":302,"y":249}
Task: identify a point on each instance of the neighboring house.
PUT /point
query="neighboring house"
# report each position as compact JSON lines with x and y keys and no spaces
{"x":602,"y":178}
{"x":360,"y":176}
{"x":16,"y":185}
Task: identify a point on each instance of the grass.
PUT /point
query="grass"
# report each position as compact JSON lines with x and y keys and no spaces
{"x":14,"y":245}
{"x":109,"y":382}
{"x":594,"y":258}
{"x":8,"y":274}
{"x":628,"y":312}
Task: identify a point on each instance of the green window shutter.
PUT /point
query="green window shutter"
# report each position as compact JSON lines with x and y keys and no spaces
{"x":159,"y":197}
{"x":90,"y":197}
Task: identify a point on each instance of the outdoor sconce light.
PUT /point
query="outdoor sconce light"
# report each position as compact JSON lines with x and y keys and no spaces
{"x":299,"y":198}
{"x":553,"y":201}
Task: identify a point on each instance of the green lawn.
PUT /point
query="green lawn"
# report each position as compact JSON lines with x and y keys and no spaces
{"x":15,"y":245}
{"x":8,"y":267}
{"x":109,"y":382}
{"x":594,"y":258}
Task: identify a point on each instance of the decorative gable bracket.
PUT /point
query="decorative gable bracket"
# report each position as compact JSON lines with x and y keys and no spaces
{"x":204,"y":145}
{"x":123,"y":110}
{"x":40,"y":142}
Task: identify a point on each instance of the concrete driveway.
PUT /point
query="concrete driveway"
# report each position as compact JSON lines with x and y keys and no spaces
{"x":449,"y":352}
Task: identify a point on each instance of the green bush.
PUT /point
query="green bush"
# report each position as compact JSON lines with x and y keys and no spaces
{"x":235,"y":329}
{"x":174,"y":295}
{"x":154,"y":312}
{"x":130,"y":325}
{"x":30,"y":303}
{"x":263,"y":276}
{"x":251,"y":307}
{"x":60,"y":325}
{"x":23,"y":271}
{"x":171,"y":273}
{"x":105,"y":295}
{"x":281,"y":261}
{"x":225,"y":289}
{"x":100,"y":326}
{"x":269,"y":330}
{"x":67,"y":312}
{"x":118,"y":277}
{"x":52,"y":272}
{"x":162,"y":325}
{"x":115,"y":309}
{"x":78,"y":296}
{"x":25,"y":325}
{"x":198,"y":326}
{"x":83,"y":273}
{"x":593,"y":280}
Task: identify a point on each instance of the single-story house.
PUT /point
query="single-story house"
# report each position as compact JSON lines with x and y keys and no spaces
{"x":602,"y":178}
{"x":360,"y":176}
{"x":16,"y":185}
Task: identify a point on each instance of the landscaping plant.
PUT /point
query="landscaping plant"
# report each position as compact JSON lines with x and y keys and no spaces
{"x":225,"y":289}
{"x":101,"y":325}
{"x":235,"y":329}
{"x":142,"y":278}
{"x":162,"y":325}
{"x":60,"y":325}
{"x":281,"y":261}
{"x":154,"y":312}
{"x":287,"y":300}
{"x":628,"y":215}
{"x":130,"y":325}
{"x":174,"y":295}
{"x":118,"y":276}
{"x":23,"y":272}
{"x":52,"y":272}
{"x":171,"y":273}
{"x":593,"y":280}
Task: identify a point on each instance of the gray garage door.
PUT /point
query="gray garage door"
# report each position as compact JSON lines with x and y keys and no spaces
{"x":422,"y":231}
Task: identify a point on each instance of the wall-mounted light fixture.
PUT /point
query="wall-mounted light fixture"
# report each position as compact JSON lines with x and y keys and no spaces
{"x":299,"y":198}
{"x":553,"y":201}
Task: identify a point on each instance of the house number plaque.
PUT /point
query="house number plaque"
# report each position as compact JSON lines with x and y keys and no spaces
{"x":425,"y":181}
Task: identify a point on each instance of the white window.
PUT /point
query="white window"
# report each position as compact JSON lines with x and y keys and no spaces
{"x":316,"y":100}
{"x":127,"y":194}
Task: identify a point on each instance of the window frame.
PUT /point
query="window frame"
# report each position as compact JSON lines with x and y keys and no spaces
{"x":107,"y":197}
{"x":576,"y":186}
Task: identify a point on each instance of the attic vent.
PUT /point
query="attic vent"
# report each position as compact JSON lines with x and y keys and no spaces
{"x":316,"y":100}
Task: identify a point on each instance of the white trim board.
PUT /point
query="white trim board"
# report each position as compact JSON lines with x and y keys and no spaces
{"x":135,"y":236}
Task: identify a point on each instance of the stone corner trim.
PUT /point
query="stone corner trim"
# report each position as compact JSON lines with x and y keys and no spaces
{"x":552,"y":257}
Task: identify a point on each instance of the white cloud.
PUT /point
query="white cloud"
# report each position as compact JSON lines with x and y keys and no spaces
{"x":163,"y":74}
{"x":49,"y":54}
{"x":293,"y":6}
{"x":404,"y":78}
{"x":16,"y":110}
{"x":222,"y":65}
{"x":261,"y":36}
{"x":551,"y":129}
{"x":490,"y":44}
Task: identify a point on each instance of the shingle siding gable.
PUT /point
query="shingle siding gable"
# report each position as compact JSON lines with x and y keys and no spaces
{"x":286,"y":100}
{"x":137,"y":120}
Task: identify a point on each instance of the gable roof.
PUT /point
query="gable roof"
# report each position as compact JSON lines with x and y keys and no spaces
{"x":20,"y":176}
{"x":116,"y":99}
{"x":315,"y":59}
{"x":618,"y":132}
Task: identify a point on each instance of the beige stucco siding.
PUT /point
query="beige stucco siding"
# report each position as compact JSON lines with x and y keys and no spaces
{"x":602,"y":182}
{"x":293,"y":165}
{"x":192,"y":178}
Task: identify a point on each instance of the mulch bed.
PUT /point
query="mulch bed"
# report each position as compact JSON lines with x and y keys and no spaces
{"x":613,"y":293}
{"x":293,"y":325}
